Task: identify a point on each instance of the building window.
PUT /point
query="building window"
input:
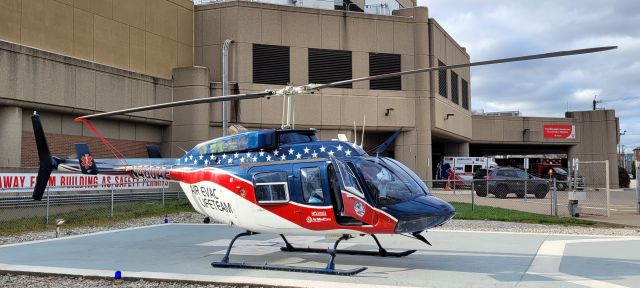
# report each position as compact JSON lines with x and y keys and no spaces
{"x":465,"y":94}
{"x":327,"y":66}
{"x":454,"y":87}
{"x":271,"y":187}
{"x":382,"y":63}
{"x":270,"y":64}
{"x":311,"y":185}
{"x":442,"y":80}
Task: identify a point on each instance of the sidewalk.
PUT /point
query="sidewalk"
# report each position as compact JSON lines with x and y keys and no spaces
{"x":626,"y":219}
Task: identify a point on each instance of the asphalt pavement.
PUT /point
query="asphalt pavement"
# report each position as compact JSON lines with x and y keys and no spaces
{"x":456,"y":259}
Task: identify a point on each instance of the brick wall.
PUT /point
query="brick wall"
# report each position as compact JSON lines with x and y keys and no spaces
{"x":63,"y":146}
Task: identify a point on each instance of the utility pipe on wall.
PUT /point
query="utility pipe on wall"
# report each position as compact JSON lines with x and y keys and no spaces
{"x":225,"y":85}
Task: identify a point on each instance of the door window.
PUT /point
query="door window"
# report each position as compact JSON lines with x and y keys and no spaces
{"x":348,"y":178}
{"x":311,"y":185}
{"x":271,"y":187}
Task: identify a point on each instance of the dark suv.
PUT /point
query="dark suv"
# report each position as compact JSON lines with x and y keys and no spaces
{"x":505,"y":180}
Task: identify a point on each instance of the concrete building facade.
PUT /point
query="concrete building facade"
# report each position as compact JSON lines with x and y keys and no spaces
{"x":66,"y":58}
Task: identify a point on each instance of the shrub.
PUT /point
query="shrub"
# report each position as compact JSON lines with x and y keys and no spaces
{"x":623,"y":177}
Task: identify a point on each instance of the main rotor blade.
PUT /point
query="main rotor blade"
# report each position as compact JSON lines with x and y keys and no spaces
{"x":488,"y":62}
{"x":180,"y":103}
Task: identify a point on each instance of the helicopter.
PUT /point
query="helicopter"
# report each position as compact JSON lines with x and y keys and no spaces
{"x":285,"y":181}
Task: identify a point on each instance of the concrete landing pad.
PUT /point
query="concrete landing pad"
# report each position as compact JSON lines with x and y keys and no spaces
{"x":457,"y":259}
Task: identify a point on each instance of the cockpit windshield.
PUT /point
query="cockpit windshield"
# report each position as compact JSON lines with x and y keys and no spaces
{"x":388,"y":183}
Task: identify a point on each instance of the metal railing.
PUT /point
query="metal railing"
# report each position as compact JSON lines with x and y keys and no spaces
{"x":103,"y":201}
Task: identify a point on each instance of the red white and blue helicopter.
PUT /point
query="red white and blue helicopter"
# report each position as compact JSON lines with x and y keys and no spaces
{"x":286,"y":181}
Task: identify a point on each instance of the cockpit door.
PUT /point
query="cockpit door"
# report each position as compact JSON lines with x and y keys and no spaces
{"x":352,"y":195}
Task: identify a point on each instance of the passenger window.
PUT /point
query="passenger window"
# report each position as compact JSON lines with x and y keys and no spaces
{"x":311,"y":185}
{"x":271,"y":187}
{"x":468,"y":168}
{"x":504,"y":173}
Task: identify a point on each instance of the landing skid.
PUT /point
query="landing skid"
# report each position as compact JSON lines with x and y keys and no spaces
{"x":339,"y":272}
{"x":380,"y":253}
{"x":329,"y":269}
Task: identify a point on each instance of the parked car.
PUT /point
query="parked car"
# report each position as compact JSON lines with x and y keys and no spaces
{"x":563,"y":181}
{"x":505,"y":180}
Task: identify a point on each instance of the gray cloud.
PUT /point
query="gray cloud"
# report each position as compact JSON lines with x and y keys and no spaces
{"x":501,"y":28}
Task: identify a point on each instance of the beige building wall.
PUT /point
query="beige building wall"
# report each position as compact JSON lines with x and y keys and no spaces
{"x":61,"y":88}
{"x":597,"y":135}
{"x":145,"y":36}
{"x":519,"y":130}
{"x":445,"y":49}
{"x":333,"y":110}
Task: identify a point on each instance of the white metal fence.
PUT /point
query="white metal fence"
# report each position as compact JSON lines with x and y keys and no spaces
{"x":588,"y":182}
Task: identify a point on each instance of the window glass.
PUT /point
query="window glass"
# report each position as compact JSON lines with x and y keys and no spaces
{"x":311,"y":185}
{"x":507,"y":173}
{"x":522,"y":174}
{"x":468,"y":168}
{"x":271,"y":187}
{"x":349,"y":179}
{"x":386,"y":186}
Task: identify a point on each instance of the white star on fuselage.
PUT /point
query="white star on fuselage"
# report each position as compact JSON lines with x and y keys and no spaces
{"x":339,"y":147}
{"x":275,"y":152}
{"x":348,"y":152}
{"x":206,"y":162}
{"x":291,"y":151}
{"x":201,"y":157}
{"x":322,"y":148}
{"x":195,"y":162}
{"x":229,"y":161}
{"x":224,"y":156}
{"x":314,"y":154}
{"x":255,"y":159}
{"x":236,"y":155}
{"x":268,"y":158}
{"x":190,"y":157}
{"x":306,"y":150}
{"x":330,"y":153}
{"x":298,"y":156}
{"x":242,"y":160}
{"x":248,"y":154}
{"x":212,"y":156}
{"x":283,"y":157}
{"x":261,"y":153}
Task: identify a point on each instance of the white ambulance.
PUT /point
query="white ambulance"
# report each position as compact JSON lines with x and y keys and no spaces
{"x":464,"y":167}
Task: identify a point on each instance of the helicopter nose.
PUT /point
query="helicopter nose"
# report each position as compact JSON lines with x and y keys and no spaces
{"x":421,"y":213}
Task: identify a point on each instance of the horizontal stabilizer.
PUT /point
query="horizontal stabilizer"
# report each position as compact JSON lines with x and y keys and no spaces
{"x":153,"y":151}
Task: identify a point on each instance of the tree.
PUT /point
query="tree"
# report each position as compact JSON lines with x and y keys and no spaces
{"x":623,"y":177}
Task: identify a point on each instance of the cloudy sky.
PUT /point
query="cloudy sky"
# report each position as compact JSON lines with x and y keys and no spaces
{"x":503,"y":28}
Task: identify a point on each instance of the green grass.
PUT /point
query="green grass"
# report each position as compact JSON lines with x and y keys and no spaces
{"x":480,"y":212}
{"x":127,"y":211}
{"x":95,"y":216}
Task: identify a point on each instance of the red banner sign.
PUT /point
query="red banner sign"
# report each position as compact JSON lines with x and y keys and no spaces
{"x":559,"y":131}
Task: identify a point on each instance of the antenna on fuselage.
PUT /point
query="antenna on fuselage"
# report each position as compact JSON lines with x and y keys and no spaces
{"x":355,"y":134}
{"x":364,"y":120}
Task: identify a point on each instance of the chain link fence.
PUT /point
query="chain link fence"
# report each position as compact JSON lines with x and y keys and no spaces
{"x":85,"y":204}
{"x":588,"y":185}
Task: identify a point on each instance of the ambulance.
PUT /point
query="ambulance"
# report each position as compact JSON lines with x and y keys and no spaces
{"x":464,"y":167}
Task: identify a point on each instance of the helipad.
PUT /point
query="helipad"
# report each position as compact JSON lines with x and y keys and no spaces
{"x":457,"y":259}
